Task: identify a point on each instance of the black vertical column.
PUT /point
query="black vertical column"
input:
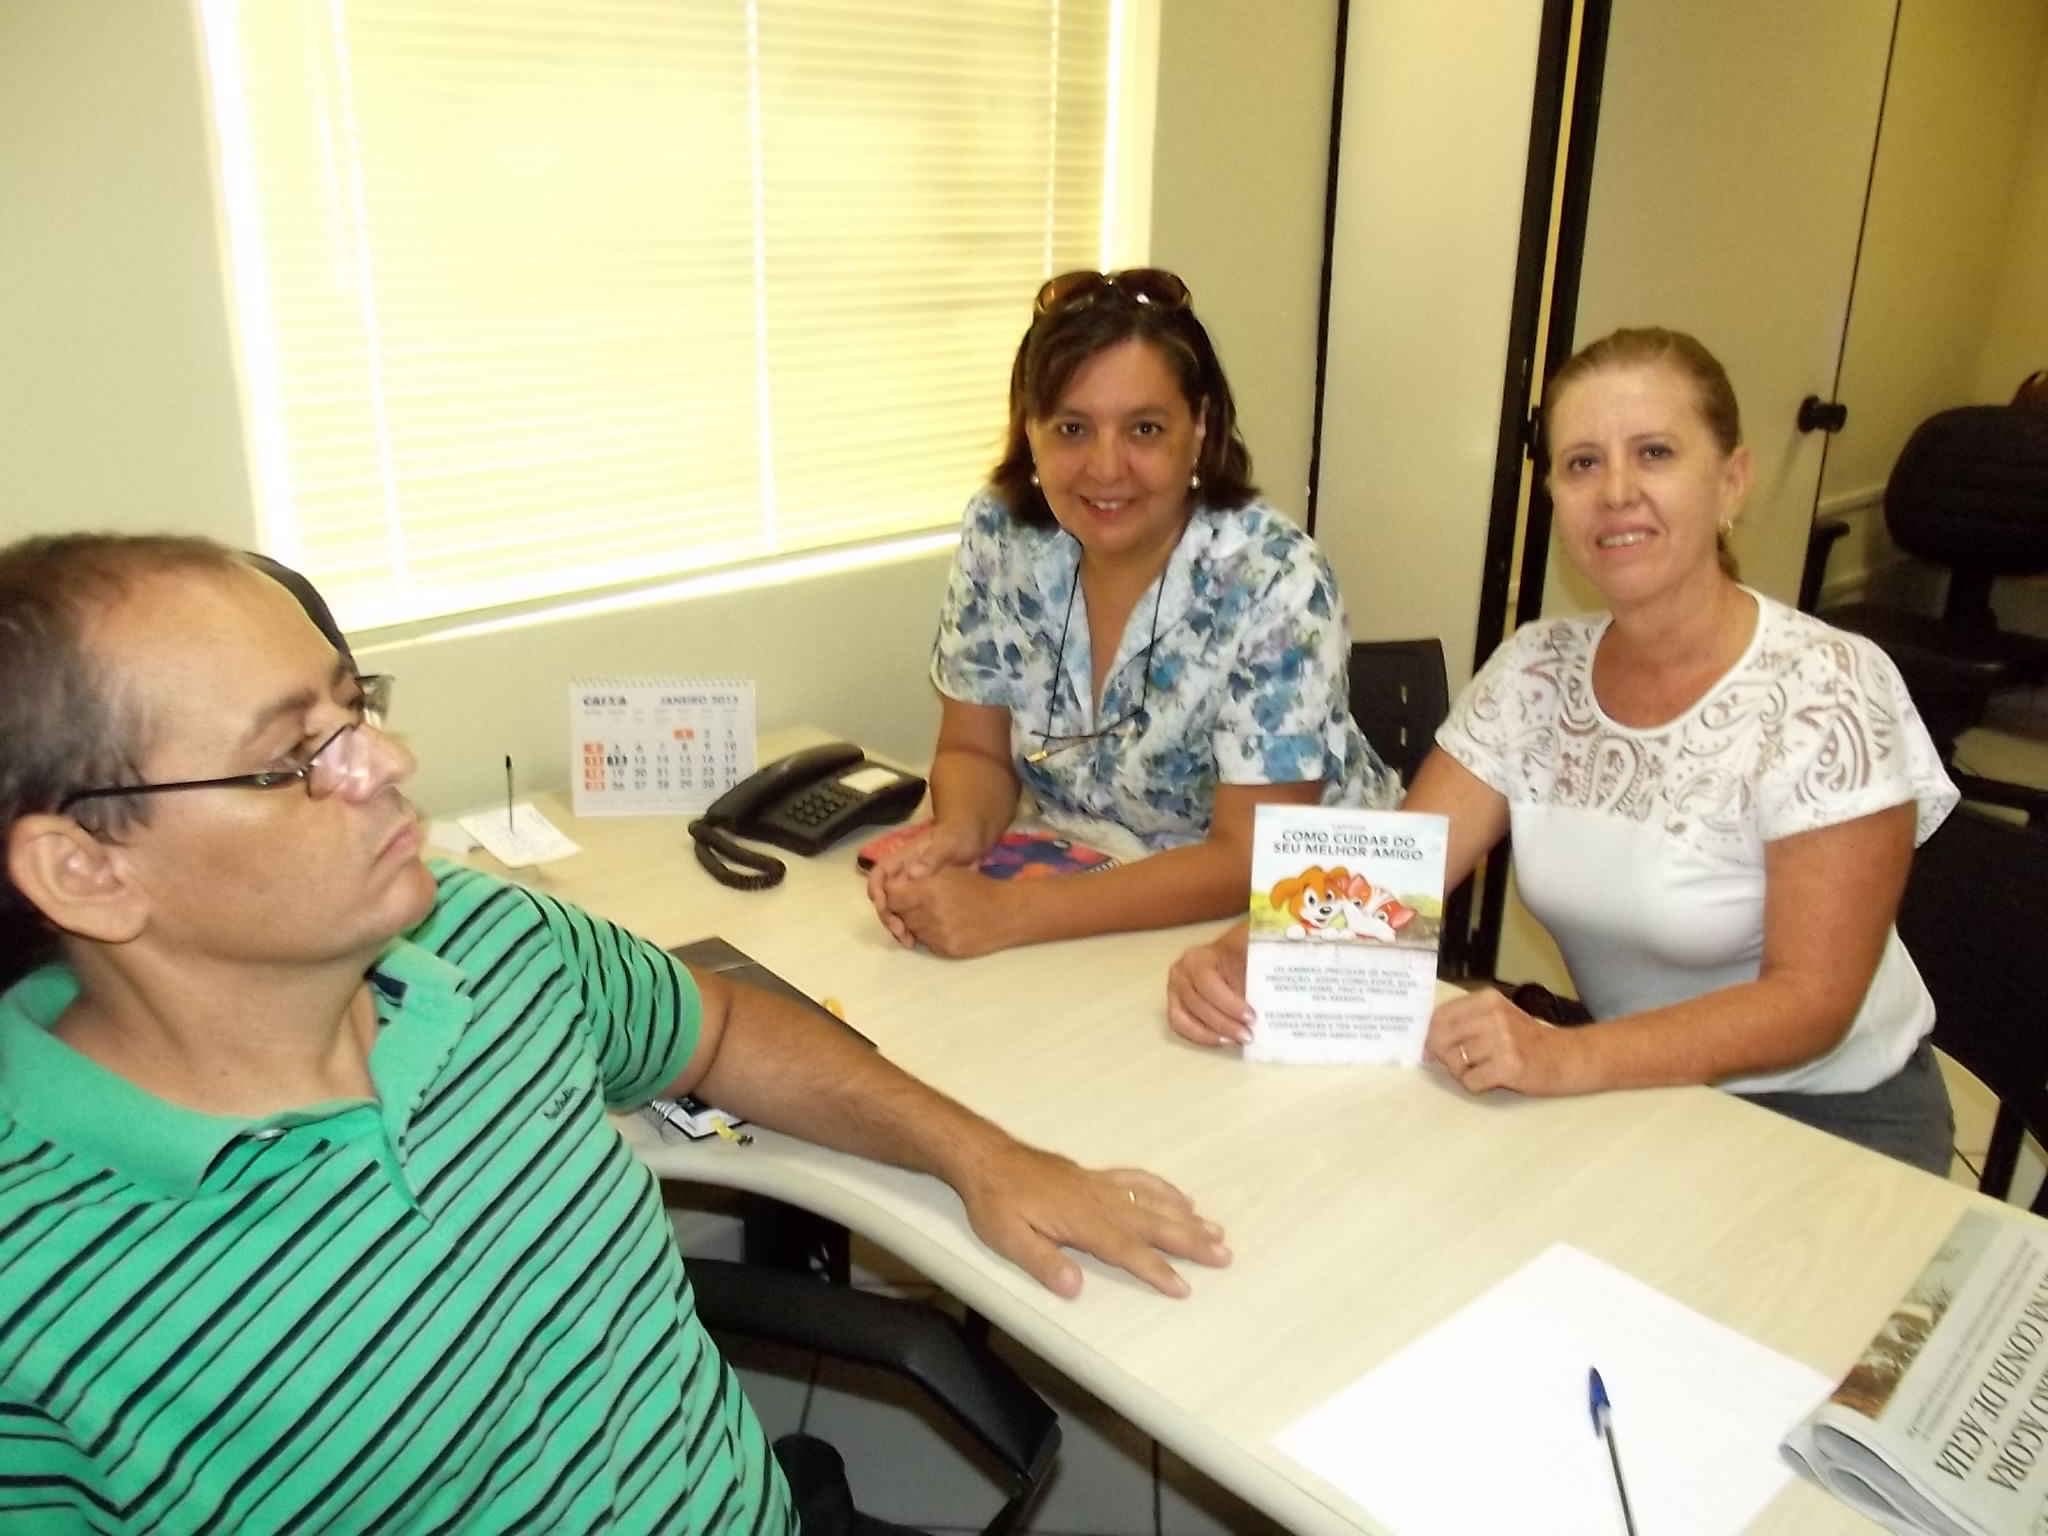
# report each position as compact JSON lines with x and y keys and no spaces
{"x":1518,"y":440}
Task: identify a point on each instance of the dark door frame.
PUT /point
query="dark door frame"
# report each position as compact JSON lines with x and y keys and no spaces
{"x":1550,"y":133}
{"x":1520,"y":442}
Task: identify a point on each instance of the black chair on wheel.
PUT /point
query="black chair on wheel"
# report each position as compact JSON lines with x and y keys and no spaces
{"x":1971,"y":919}
{"x":1970,"y":492}
{"x":1399,"y":695}
{"x":948,"y":1359}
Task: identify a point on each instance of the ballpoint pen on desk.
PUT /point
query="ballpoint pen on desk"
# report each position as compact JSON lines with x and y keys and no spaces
{"x":1603,"y":1426}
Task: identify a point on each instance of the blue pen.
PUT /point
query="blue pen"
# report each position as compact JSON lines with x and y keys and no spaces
{"x":1603,"y":1426}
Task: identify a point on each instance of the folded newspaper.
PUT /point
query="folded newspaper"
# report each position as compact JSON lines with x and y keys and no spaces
{"x":1942,"y":1427}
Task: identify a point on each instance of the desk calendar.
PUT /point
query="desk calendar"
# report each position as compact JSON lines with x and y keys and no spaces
{"x":657,"y":746}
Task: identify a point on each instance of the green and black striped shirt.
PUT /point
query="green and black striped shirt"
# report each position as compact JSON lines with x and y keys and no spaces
{"x":455,"y":1307}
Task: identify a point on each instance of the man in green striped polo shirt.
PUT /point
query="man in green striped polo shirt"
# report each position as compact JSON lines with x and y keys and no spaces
{"x":305,"y":1225}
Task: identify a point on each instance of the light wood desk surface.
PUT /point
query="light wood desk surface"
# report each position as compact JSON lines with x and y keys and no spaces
{"x":1364,"y":1205}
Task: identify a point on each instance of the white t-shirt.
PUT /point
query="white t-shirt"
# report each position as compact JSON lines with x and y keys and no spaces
{"x":1642,"y":850}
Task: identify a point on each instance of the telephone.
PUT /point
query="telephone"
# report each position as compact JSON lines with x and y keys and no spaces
{"x":804,"y":802}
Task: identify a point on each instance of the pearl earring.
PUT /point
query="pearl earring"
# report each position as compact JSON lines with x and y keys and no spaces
{"x":1195,"y":481}
{"x":1034,"y":477}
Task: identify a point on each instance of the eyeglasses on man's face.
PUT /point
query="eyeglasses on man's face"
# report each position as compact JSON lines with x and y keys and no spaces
{"x":323,"y":771}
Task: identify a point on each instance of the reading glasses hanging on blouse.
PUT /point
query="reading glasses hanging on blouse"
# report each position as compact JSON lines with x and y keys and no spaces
{"x":1049,"y":742}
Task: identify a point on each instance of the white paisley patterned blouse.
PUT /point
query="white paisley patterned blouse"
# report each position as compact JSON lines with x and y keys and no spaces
{"x":1246,"y":677}
{"x":1642,"y":849}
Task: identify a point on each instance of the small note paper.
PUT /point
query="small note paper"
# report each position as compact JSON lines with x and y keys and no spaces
{"x":1481,"y":1424}
{"x":524,"y":838}
{"x":446,"y":836}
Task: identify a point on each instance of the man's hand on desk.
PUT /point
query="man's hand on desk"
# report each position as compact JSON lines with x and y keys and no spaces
{"x":1029,"y":1205}
{"x":770,"y":1061}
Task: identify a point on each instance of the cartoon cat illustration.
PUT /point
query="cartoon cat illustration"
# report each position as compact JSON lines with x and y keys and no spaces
{"x":1374,"y":915}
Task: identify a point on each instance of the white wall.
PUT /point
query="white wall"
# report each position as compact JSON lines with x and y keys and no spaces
{"x":1942,"y":200}
{"x":1945,"y":289}
{"x":1436,"y":132}
{"x":1727,"y":195}
{"x":117,"y":397}
{"x":2016,"y":332}
{"x":118,"y":406}
{"x":845,"y":652}
{"x":1240,"y":165}
{"x":120,"y":411}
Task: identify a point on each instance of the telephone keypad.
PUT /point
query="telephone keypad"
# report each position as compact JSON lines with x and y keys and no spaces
{"x":817,"y":806}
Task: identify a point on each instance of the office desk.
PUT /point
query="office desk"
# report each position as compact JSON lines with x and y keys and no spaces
{"x":1364,"y":1205}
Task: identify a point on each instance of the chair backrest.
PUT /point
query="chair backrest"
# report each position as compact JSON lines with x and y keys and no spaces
{"x":1971,"y":919}
{"x":1399,"y":696}
{"x":1970,"y":490}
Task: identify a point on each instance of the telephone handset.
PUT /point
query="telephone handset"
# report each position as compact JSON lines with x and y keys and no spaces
{"x":804,"y":802}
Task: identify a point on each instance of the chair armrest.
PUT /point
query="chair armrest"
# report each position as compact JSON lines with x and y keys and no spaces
{"x":2017,"y":797}
{"x":1826,"y":533}
{"x":975,"y":1386}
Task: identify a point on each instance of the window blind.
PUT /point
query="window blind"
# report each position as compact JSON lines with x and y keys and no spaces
{"x":535,"y":298}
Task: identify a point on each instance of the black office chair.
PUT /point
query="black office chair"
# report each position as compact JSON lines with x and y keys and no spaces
{"x":949,"y":1359}
{"x":1971,"y":919}
{"x":1969,"y":491}
{"x":1399,"y":694}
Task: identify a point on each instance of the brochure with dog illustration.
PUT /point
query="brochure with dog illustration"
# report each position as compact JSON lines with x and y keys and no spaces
{"x":1346,"y":914}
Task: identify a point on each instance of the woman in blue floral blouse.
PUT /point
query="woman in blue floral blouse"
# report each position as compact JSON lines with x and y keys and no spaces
{"x":1130,"y":635}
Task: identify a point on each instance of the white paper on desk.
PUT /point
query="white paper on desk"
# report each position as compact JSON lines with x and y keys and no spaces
{"x":530,"y":838}
{"x":448,"y":837}
{"x":1481,"y":1424}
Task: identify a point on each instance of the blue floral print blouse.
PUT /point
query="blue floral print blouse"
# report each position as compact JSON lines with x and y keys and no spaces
{"x":1247,"y":675}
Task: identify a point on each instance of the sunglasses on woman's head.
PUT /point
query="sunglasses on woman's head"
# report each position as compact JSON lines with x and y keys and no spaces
{"x":1152,"y":286}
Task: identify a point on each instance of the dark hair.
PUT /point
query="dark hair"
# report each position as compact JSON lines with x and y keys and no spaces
{"x":64,"y":723}
{"x":1053,"y":351}
{"x":1639,"y":346}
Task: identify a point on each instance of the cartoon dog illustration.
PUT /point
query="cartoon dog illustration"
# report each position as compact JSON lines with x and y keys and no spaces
{"x":1337,"y":905}
{"x":1317,"y":902}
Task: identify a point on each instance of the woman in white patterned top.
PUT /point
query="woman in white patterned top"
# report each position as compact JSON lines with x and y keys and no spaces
{"x":1714,"y":798}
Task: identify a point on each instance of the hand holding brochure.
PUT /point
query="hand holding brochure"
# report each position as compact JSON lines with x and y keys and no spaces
{"x":1941,"y":1429}
{"x":1346,"y":915}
